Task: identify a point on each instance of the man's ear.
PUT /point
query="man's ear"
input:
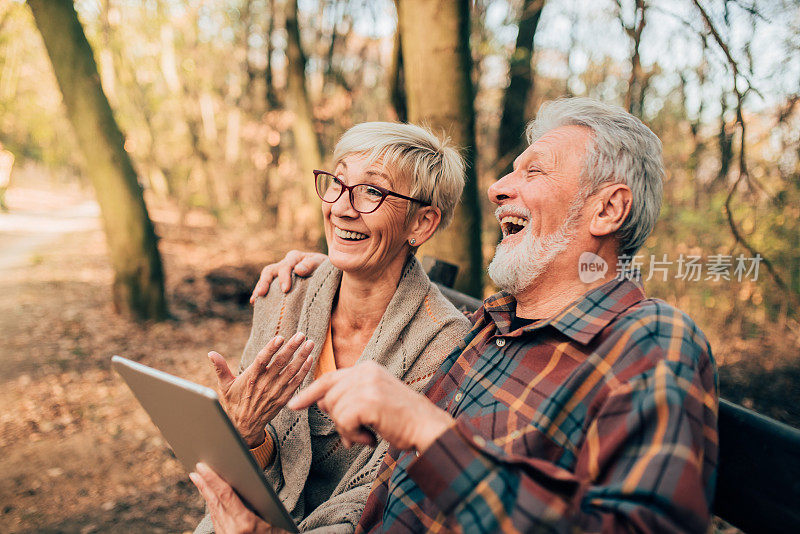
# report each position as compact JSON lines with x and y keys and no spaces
{"x":610,"y":207}
{"x":423,"y":223}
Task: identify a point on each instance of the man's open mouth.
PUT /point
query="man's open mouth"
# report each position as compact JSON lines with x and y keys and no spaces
{"x":511,"y":224}
{"x":348,"y":235}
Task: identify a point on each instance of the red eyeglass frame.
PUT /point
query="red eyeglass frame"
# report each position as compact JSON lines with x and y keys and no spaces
{"x":349,"y":188}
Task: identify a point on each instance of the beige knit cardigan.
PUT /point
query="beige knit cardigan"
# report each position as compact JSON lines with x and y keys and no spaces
{"x":418,"y":329}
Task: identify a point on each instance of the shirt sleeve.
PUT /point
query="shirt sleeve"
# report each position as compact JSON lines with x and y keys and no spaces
{"x":646,"y":463}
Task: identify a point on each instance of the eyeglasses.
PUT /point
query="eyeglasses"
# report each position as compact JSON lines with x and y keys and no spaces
{"x":365,"y":198}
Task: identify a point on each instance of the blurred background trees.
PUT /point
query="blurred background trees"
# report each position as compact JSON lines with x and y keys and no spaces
{"x":226,"y":105}
{"x":223,"y":106}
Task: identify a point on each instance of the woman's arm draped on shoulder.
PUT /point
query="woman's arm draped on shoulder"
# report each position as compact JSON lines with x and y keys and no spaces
{"x":299,"y":263}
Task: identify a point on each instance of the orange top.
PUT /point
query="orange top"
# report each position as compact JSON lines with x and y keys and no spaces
{"x":327,"y":362}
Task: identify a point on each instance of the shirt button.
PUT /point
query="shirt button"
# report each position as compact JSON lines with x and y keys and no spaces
{"x":458,"y":397}
{"x":479,"y":441}
{"x":500,"y":341}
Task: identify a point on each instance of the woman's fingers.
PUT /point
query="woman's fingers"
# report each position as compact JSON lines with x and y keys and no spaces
{"x":205,"y":484}
{"x":224,"y":375}
{"x":228,"y":512}
{"x":265,"y":355}
{"x":294,"y":382}
{"x":284,"y":355}
{"x":297,"y":361}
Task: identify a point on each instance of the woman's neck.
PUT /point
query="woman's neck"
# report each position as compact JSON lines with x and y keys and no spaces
{"x":363,"y":300}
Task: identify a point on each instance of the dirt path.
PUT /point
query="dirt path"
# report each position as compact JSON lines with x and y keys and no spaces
{"x":78,"y":453}
{"x":23,"y":233}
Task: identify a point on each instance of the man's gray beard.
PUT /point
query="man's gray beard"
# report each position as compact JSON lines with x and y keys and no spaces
{"x":515,"y":267}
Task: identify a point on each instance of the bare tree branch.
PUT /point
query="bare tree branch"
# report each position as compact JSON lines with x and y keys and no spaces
{"x":744,"y":174}
{"x":726,"y":50}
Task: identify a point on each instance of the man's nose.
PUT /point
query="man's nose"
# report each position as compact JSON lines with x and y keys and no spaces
{"x":502,"y":189}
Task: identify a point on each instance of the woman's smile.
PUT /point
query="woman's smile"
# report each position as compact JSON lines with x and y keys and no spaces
{"x":348,"y":235}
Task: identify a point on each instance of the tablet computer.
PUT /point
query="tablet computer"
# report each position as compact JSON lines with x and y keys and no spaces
{"x":193,"y":422}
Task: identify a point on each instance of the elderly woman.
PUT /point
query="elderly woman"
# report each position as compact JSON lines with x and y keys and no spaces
{"x":392,"y":187}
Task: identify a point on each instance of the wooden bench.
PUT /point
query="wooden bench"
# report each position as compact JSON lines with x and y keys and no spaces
{"x":758,"y":474}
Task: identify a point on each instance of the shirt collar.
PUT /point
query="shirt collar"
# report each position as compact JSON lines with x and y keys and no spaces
{"x":581,"y":320}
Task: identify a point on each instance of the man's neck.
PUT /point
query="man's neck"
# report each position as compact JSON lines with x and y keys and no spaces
{"x":550,"y":293}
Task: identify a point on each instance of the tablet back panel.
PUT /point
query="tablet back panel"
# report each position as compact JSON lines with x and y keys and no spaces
{"x":192,"y":420}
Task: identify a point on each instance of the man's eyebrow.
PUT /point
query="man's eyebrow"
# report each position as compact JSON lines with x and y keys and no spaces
{"x":540,"y":157}
{"x":536,"y":156}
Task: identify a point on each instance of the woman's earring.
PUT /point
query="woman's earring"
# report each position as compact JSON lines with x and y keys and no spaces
{"x":412,"y":241}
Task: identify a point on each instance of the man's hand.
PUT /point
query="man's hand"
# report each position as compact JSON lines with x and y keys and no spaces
{"x":366,"y":396}
{"x":302,"y":263}
{"x":254,"y":397}
{"x":228,"y":512}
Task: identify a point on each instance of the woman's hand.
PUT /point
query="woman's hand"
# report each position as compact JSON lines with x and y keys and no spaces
{"x":301,"y":263}
{"x":254,"y":397}
{"x":228,"y":512}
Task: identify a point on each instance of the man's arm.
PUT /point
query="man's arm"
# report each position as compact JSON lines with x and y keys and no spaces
{"x":295,"y":261}
{"x":646,"y":462}
{"x":647,"y":476}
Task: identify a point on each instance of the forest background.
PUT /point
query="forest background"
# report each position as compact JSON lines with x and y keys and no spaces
{"x":218,"y":110}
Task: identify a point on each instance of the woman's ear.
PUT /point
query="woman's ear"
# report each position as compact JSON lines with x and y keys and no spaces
{"x":423,"y":224}
{"x":611,"y":206}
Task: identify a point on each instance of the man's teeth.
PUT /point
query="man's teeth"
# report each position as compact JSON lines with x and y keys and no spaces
{"x":510,"y":224}
{"x":508,"y":219}
{"x":346,"y":234}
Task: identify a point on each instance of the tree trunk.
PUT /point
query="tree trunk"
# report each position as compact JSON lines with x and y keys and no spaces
{"x":270,"y":95}
{"x":437,"y":67}
{"x":306,"y":139}
{"x":138,"y":275}
{"x":520,"y":69}
{"x":397,"y":85}
{"x":638,"y":81}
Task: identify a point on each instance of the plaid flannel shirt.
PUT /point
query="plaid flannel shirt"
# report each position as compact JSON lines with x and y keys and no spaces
{"x":601,"y":418}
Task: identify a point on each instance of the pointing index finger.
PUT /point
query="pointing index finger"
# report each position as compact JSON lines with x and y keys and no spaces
{"x":318,"y":389}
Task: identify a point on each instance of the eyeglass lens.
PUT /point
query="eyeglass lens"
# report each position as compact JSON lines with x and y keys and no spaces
{"x":365,"y":198}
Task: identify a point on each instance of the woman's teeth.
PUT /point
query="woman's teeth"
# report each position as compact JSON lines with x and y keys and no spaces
{"x":345,"y":234}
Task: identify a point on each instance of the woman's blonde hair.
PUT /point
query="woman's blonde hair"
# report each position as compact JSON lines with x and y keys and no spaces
{"x":434,"y":169}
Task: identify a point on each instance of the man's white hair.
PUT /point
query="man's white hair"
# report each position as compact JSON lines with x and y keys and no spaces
{"x":433,"y":168}
{"x":622,"y":150}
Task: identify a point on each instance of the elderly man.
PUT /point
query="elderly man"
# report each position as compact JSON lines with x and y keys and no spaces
{"x":575,"y":403}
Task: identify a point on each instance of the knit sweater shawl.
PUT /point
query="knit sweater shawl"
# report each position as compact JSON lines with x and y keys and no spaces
{"x":417,"y":331}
